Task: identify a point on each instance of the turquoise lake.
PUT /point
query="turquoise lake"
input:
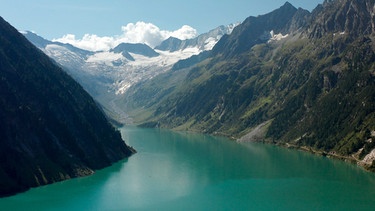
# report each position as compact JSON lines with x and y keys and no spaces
{"x":186,"y":171}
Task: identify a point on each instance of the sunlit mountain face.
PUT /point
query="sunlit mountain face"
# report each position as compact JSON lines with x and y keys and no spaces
{"x":106,"y":75}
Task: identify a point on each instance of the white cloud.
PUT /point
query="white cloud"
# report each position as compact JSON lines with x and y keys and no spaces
{"x":142,"y":32}
{"x":139,"y":32}
{"x":184,"y":33}
{"x":88,"y":42}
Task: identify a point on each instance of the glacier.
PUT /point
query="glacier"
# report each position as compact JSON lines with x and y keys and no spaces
{"x":107,"y":75}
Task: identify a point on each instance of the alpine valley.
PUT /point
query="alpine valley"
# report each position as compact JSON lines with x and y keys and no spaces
{"x":107,"y":75}
{"x":290,"y":77}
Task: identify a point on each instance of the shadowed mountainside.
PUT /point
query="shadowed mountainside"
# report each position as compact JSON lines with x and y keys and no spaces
{"x":51,"y":129}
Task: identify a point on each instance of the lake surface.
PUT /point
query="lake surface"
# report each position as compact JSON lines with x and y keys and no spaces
{"x":185,"y":171}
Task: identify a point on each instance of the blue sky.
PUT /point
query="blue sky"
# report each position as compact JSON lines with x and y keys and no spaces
{"x":72,"y":19}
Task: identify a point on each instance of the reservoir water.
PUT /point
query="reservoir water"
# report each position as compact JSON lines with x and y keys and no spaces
{"x":185,"y":171}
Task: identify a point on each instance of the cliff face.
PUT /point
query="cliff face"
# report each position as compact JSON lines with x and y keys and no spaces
{"x":356,"y":17}
{"x":51,"y":129}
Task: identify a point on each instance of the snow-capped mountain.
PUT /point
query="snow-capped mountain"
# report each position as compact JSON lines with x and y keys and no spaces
{"x":204,"y":41}
{"x":135,"y":48}
{"x":107,"y":74}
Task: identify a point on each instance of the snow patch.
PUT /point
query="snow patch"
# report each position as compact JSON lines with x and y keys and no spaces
{"x":210,"y":43}
{"x":62,"y":55}
{"x":276,"y":37}
{"x":105,"y":73}
{"x":271,"y":36}
{"x":339,"y":33}
{"x":105,"y":58}
{"x":148,"y":67}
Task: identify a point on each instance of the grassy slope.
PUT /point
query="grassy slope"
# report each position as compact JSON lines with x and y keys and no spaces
{"x":314,"y":97}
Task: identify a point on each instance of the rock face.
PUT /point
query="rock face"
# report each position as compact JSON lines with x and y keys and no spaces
{"x":356,"y":17}
{"x":51,"y":129}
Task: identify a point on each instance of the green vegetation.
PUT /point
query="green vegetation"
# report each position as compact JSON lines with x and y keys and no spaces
{"x":316,"y":87}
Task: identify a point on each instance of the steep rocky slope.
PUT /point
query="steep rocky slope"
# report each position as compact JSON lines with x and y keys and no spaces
{"x":51,"y":129}
{"x":289,"y":77}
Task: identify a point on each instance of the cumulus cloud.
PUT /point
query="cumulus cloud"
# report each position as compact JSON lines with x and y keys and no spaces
{"x":139,"y":32}
{"x":88,"y":42}
{"x":184,"y":33}
{"x":142,"y":32}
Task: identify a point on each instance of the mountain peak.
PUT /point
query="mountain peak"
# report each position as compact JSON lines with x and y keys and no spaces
{"x":170,"y":44}
{"x":287,"y":5}
{"x":136,"y":48}
{"x":204,"y":41}
{"x":253,"y":29}
{"x":36,"y":39}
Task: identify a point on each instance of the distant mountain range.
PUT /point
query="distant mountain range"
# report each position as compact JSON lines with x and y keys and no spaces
{"x":290,"y":77}
{"x":107,"y":75}
{"x":204,"y":42}
{"x":51,"y":129}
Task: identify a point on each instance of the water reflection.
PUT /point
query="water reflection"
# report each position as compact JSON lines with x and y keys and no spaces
{"x":174,"y":171}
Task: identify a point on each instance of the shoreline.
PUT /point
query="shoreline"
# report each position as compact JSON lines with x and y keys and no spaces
{"x":332,"y":155}
{"x":257,"y":135}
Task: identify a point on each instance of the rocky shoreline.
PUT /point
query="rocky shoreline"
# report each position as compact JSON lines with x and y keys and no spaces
{"x":258,"y":133}
{"x":365,"y":163}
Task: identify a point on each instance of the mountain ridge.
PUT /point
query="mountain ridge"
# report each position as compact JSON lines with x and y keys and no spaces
{"x":51,"y":130}
{"x":274,"y":75}
{"x":353,"y":17}
{"x":204,"y":41}
{"x":106,"y":75}
{"x":241,"y":40}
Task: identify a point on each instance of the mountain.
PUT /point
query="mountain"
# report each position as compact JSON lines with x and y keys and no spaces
{"x":73,"y":61}
{"x":354,"y":17}
{"x":107,"y":75}
{"x":51,"y":129}
{"x":40,"y":42}
{"x":204,"y":41}
{"x":141,"y":49}
{"x":289,"y":77}
{"x":193,"y":60}
{"x":171,"y":44}
{"x":257,"y":30}
{"x":36,"y":40}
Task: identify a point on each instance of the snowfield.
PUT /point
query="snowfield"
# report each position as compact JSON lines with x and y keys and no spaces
{"x":107,"y":75}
